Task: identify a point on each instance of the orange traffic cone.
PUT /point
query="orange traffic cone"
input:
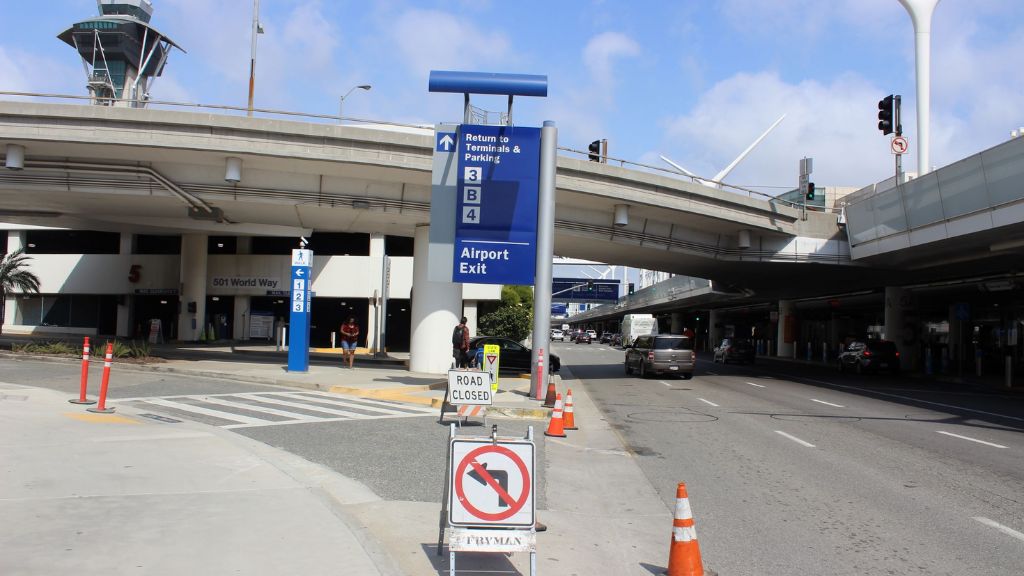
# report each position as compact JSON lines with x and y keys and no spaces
{"x":570,"y":420}
{"x":556,"y":427}
{"x":684,"y":554}
{"x":549,"y":399}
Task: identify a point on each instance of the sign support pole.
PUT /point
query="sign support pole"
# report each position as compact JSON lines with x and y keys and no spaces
{"x":443,"y":521}
{"x":545,"y":252}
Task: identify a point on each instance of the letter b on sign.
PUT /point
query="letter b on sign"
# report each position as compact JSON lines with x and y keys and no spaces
{"x":471,"y":195}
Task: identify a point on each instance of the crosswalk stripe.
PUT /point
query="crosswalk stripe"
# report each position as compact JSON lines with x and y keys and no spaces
{"x":306,"y":406}
{"x":206,"y":411}
{"x":337,"y":402}
{"x":258,"y":408}
{"x":333,"y":396}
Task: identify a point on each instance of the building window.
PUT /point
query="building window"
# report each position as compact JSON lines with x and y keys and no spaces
{"x":398,"y":245}
{"x":221,"y":245}
{"x":71,"y":242}
{"x":339,"y":244}
{"x":150,"y":244}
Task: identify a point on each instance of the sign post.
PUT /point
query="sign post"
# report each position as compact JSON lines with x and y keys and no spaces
{"x":489,"y":496}
{"x":492,"y":357}
{"x":298,"y":332}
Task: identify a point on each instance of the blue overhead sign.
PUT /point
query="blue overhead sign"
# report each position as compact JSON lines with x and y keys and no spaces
{"x":496,"y":212}
{"x":578,"y":290}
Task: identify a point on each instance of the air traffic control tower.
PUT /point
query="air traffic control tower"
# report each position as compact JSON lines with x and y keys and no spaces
{"x":120,"y":51}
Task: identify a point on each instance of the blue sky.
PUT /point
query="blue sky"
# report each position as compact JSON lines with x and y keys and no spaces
{"x":694,"y":80}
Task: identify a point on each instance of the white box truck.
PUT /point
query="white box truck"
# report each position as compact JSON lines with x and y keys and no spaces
{"x":634,"y":325}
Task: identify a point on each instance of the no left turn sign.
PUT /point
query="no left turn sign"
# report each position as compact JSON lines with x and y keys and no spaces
{"x":899,"y":145}
{"x":491,"y":483}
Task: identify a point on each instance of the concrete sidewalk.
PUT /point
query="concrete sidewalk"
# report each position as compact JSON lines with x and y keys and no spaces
{"x":113,"y":493}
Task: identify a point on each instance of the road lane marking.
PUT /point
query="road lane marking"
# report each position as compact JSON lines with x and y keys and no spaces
{"x":665,"y":383}
{"x":205,"y":411}
{"x":710,"y":373}
{"x":708,"y":402}
{"x":1004,"y":529}
{"x":971,"y":439}
{"x":795,"y":439}
{"x":827,"y":403}
{"x":758,"y":385}
{"x":901,"y":397}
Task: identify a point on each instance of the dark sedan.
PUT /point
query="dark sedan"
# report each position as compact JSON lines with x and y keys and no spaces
{"x":583,"y":338}
{"x":734,"y":350}
{"x":870,"y":356}
{"x":514,"y":359}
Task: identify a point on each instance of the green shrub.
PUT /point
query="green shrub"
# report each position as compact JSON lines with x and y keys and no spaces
{"x":514,"y":322}
{"x":130,"y":349}
{"x":58,"y":347}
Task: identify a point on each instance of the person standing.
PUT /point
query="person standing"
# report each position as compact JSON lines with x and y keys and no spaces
{"x":349,"y":339}
{"x":460,"y":344}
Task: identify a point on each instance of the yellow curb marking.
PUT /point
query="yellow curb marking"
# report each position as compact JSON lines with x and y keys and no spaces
{"x":105,"y":418}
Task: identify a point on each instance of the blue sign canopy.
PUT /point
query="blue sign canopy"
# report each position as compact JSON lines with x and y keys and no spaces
{"x":488,"y":83}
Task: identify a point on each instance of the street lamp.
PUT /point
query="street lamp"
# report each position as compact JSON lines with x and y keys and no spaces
{"x":256,"y":29}
{"x":341,"y":102}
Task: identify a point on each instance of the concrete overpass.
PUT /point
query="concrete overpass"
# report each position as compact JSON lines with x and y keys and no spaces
{"x":145,"y":169}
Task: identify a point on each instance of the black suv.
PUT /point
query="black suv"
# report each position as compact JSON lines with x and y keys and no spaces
{"x":870,"y":356}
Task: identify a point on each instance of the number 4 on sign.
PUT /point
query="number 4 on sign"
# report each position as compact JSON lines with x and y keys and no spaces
{"x":470,"y":214}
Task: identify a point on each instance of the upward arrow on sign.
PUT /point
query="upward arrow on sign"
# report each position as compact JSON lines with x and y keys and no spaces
{"x":447,"y":142}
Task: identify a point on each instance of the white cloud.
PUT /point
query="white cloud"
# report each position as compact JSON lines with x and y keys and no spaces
{"x":828,"y":122}
{"x":25,"y":72}
{"x":602,"y":50}
{"x":433,"y":40}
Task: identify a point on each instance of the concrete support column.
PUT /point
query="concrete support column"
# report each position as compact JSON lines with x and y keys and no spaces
{"x":677,"y":323}
{"x":377,"y":255}
{"x":469,"y":310}
{"x":714,"y":329}
{"x":193,"y":286}
{"x":14,"y":242}
{"x":895,"y":303}
{"x":784,"y":337}
{"x":240,"y":322}
{"x":436,"y":309}
{"x":124,"y":304}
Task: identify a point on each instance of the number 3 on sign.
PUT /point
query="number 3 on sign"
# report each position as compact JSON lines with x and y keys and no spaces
{"x":472,"y":174}
{"x":470,"y":214}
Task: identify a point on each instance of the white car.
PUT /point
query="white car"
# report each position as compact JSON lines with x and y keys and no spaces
{"x":558,"y":335}
{"x":593,"y":334}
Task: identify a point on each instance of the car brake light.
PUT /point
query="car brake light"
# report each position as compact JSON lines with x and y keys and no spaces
{"x":650,"y":355}
{"x":897,"y":354}
{"x":867,"y":352}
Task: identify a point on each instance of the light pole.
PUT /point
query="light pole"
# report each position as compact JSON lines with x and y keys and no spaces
{"x":256,"y":29}
{"x":921,"y":15}
{"x":341,"y":102}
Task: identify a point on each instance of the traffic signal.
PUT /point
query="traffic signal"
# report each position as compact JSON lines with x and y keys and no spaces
{"x":809,"y":193}
{"x":886,"y":114}
{"x":590,"y":285}
{"x":631,"y":287}
{"x":595,"y":151}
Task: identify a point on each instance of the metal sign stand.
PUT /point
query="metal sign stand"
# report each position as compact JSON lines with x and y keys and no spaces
{"x":447,"y":406}
{"x":465,"y":538}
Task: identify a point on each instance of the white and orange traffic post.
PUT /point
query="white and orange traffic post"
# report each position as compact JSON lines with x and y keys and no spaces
{"x":85,"y":376}
{"x":107,"y":360}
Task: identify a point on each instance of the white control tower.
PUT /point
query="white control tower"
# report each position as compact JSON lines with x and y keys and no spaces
{"x":120,"y":51}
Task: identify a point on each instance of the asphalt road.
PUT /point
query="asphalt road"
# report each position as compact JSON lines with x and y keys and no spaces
{"x":800,"y":470}
{"x":397,"y":450}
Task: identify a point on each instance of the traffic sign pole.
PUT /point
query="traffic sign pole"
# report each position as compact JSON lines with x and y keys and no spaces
{"x":545,"y":253}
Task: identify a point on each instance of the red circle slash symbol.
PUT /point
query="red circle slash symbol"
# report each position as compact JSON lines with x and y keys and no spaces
{"x":480,"y":472}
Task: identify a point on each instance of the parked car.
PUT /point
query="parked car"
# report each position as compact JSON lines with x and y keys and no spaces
{"x":616,"y":339}
{"x":734,"y":350}
{"x":592,"y":334}
{"x":870,"y":356}
{"x":557,"y":334}
{"x":661,"y":354}
{"x":515,"y":358}
{"x":583,"y":338}
{"x":606,"y":338}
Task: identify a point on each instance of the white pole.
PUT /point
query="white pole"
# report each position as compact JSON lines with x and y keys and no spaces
{"x":921,"y":12}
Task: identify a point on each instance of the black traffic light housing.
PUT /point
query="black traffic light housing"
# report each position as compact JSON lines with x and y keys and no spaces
{"x":889,"y":115}
{"x":809,"y":193}
{"x":632,"y":287}
{"x":595,"y":151}
{"x":590,"y":285}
